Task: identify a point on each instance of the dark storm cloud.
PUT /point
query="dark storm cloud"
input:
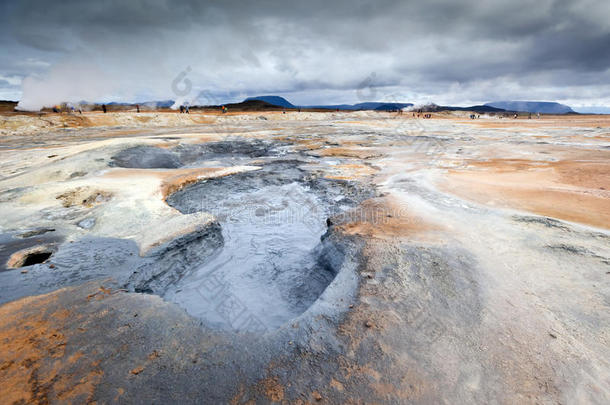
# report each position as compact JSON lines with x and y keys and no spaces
{"x":446,"y":51}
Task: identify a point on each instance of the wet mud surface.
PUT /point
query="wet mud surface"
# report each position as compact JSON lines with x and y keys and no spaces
{"x":272,"y":257}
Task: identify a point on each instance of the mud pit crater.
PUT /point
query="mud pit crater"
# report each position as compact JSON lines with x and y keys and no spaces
{"x":195,"y":155}
{"x":276,"y":260}
{"x":30,"y":256}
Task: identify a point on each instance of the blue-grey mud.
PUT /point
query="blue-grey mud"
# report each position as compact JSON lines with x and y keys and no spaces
{"x":272,"y":262}
{"x":361,"y":257}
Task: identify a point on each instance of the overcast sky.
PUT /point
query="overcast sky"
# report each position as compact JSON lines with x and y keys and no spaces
{"x":444,"y":51}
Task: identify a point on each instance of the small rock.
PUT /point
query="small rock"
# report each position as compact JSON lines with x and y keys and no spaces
{"x":51,"y":266}
{"x":368,"y":324}
{"x":351,"y":305}
{"x":137,"y":370}
{"x":35,"y":232}
{"x":24,"y":271}
{"x":87,"y":223}
{"x":552,"y":335}
{"x":317,"y":396}
{"x":369,"y":276}
{"x":77,"y":174}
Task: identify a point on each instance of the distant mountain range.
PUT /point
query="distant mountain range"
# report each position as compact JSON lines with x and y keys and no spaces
{"x":375,"y":106}
{"x":260,"y":103}
{"x":253,"y":105}
{"x":273,"y":100}
{"x":157,"y":104}
{"x":473,"y":108}
{"x":381,"y":106}
{"x":378,"y":106}
{"x":543,"y":107}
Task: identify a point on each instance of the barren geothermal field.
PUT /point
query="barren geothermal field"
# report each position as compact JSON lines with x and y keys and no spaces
{"x":357,"y":257}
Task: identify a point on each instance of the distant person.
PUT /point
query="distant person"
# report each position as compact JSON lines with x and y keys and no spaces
{"x":186,"y":109}
{"x":538,"y":115}
{"x":104,"y":108}
{"x":138,"y":108}
{"x":181,"y":109}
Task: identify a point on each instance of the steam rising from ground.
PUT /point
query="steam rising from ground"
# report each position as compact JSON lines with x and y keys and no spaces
{"x":65,"y":83}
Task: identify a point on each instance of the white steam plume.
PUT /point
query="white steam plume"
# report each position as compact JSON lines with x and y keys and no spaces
{"x":64,"y":83}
